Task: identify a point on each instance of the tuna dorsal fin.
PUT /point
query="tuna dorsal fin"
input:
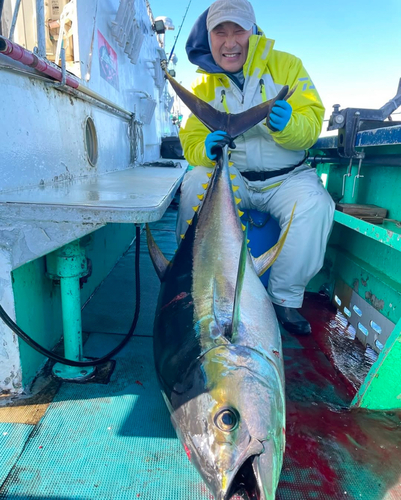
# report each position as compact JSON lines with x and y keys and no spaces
{"x":238,"y":288}
{"x":264,"y":261}
{"x":160,"y":263}
{"x":233,"y":124}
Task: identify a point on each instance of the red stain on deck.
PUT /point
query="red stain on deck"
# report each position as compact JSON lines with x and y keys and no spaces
{"x":333,"y":452}
{"x":187,"y":451}
{"x":138,"y":382}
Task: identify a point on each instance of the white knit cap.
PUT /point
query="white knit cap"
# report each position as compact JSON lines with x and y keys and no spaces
{"x":236,"y":11}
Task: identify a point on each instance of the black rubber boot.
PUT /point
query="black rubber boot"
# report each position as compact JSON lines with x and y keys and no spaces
{"x":292,"y":321}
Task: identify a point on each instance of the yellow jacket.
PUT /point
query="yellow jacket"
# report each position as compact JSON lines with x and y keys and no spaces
{"x":266,"y":71}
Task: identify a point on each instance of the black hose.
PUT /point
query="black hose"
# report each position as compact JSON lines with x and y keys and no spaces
{"x":96,"y":362}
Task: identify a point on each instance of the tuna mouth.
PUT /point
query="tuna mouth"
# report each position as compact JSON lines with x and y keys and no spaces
{"x":244,"y":484}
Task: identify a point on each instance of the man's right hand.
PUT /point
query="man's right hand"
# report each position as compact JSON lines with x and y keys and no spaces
{"x":217,"y":140}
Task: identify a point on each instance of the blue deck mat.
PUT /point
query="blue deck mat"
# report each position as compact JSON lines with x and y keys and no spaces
{"x":116,"y":441}
{"x":12,"y":441}
{"x":107,"y":441}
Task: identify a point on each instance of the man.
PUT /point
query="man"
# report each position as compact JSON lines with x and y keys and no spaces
{"x":240,"y":69}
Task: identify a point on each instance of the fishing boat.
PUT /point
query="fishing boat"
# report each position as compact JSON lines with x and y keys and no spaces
{"x":89,"y":154}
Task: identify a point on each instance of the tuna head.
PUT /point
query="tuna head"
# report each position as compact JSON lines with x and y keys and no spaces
{"x":229,"y":415}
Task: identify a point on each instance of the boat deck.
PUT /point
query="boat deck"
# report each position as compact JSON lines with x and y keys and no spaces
{"x":111,"y":438}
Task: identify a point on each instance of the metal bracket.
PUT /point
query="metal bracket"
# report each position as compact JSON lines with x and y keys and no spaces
{"x":358,"y":175}
{"x":350,"y":121}
{"x":62,"y":83}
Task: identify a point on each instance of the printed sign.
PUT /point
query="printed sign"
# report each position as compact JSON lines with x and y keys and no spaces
{"x":107,"y":61}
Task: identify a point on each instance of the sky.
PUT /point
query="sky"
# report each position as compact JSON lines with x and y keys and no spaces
{"x":350,"y":48}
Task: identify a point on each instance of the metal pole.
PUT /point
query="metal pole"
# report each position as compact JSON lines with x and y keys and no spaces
{"x":14,"y":20}
{"x":68,"y":264}
{"x":72,"y":326}
{"x":1,"y":12}
{"x":40,"y":26}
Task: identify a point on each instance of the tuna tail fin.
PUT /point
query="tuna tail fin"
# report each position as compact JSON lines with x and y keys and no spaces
{"x":238,"y":287}
{"x":160,"y":263}
{"x":264,"y":261}
{"x":233,"y":124}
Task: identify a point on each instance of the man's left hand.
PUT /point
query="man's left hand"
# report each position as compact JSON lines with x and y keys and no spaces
{"x":280,"y":115}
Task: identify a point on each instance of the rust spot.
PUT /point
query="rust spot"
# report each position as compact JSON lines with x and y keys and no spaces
{"x":376,"y":303}
{"x":365,"y":282}
{"x":138,"y":382}
{"x":355,"y":285}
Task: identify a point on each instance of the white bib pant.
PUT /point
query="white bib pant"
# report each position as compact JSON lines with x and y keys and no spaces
{"x":303,"y":253}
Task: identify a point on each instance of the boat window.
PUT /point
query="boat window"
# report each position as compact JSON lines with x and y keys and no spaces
{"x":358,"y":311}
{"x":91,"y":146}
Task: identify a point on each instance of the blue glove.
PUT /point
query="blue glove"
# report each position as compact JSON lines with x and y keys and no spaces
{"x":280,"y":115}
{"x":217,"y":140}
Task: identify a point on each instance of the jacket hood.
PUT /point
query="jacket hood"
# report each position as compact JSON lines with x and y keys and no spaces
{"x":198,"y":48}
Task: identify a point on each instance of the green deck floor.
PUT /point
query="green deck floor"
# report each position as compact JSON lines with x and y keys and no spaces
{"x":115,"y":440}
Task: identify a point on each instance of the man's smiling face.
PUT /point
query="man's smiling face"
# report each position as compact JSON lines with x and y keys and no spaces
{"x":229,"y":45}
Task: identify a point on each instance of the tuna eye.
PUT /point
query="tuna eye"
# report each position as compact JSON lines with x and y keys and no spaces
{"x":226,"y":420}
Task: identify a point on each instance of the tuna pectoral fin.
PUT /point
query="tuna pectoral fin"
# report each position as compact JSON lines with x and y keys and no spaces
{"x":233,"y":124}
{"x":264,"y":261}
{"x":160,"y":263}
{"x":238,"y":287}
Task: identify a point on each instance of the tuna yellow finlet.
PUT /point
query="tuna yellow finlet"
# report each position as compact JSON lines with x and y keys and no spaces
{"x":237,"y":200}
{"x":232,"y":176}
{"x":243,"y":227}
{"x":182,"y":236}
{"x":240,"y":213}
{"x":195,"y":209}
{"x":209,"y":174}
{"x":205,"y":185}
{"x":235,"y":188}
{"x":200,"y":196}
{"x":189,"y":222}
